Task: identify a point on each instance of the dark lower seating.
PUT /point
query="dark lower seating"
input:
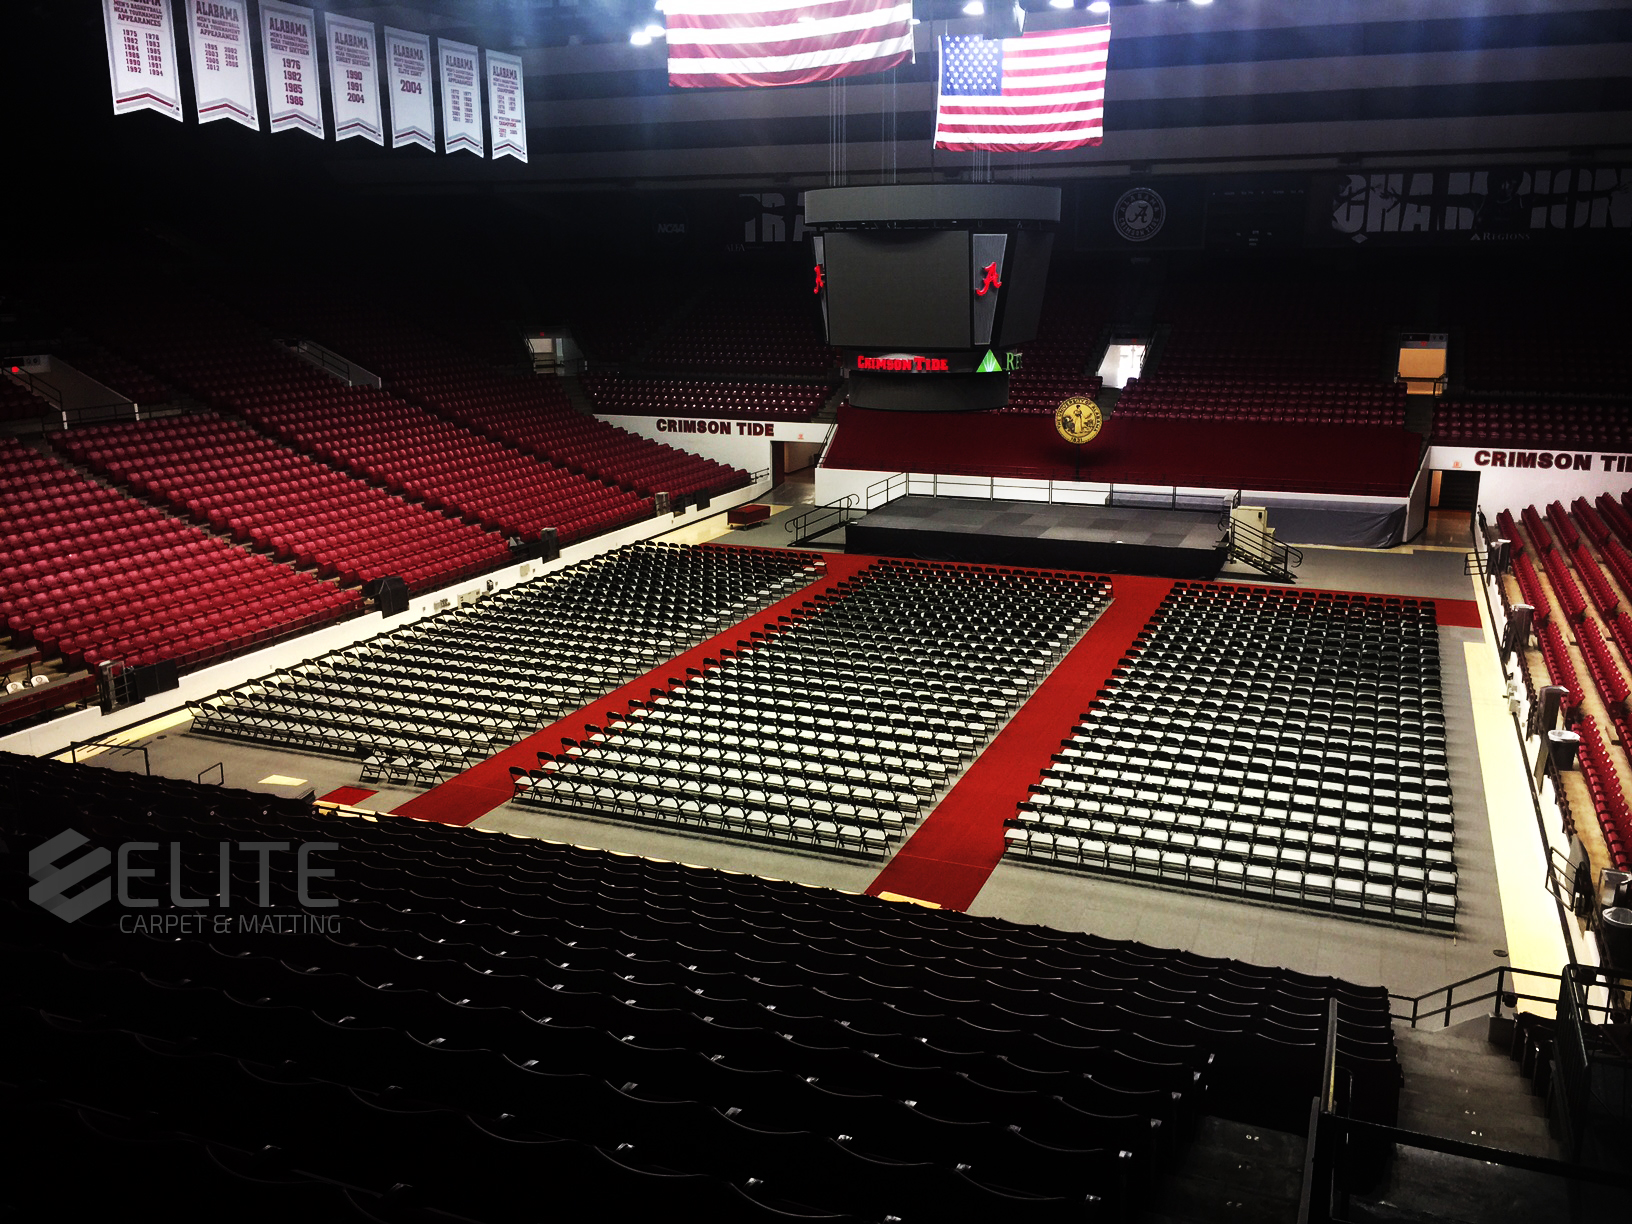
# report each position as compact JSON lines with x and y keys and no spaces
{"x":608,"y":1033}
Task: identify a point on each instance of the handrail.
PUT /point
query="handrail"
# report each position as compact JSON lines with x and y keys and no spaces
{"x":1504,"y":997}
{"x":38,"y":385}
{"x":799,"y":524}
{"x":1489,"y":1155}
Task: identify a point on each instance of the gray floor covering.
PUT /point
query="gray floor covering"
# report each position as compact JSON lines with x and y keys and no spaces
{"x":1406,"y":961}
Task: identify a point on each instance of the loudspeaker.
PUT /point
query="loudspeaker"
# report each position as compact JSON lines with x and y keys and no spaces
{"x":390,"y":595}
{"x":549,"y":548}
{"x":155,"y":678}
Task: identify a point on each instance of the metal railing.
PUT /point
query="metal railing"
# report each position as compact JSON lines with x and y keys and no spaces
{"x":1503,"y":992}
{"x":330,"y":362}
{"x":814,"y":522}
{"x":1260,"y":549}
{"x":220,"y":774}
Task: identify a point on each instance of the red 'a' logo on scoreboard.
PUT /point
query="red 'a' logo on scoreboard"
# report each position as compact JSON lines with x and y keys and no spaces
{"x":821,"y":281}
{"x":991,"y":281}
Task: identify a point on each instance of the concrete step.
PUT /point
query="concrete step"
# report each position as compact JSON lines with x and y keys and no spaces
{"x":1459,"y":1085}
{"x":1233,"y":1171}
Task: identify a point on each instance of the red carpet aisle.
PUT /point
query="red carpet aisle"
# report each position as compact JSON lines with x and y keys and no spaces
{"x":949,"y":858}
{"x":471,"y":795}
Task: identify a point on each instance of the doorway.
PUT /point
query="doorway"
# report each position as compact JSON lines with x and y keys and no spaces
{"x":1453,"y":497}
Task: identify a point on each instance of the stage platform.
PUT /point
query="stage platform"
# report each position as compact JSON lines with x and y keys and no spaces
{"x":1101,"y":539}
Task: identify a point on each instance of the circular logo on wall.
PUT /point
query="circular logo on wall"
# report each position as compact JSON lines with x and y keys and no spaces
{"x":1078,"y":419}
{"x":1139,"y":214}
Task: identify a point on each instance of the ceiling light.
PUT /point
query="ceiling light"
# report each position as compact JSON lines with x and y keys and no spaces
{"x":640,"y":38}
{"x":1100,"y":6}
{"x":1061,"y":3}
{"x":975,"y":8}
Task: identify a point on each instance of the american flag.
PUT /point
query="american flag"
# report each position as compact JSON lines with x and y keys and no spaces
{"x":1022,"y":95}
{"x":783,"y":42}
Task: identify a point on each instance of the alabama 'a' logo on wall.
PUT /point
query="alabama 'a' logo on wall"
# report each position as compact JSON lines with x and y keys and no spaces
{"x":1138,"y":214}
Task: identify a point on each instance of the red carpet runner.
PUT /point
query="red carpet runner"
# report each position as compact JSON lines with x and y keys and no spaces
{"x":471,"y":795}
{"x":949,"y":858}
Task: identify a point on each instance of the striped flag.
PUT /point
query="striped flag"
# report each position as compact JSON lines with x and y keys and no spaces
{"x":1029,"y":94}
{"x":783,"y":42}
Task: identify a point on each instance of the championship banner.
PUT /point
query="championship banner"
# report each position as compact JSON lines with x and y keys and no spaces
{"x":293,"y":93}
{"x":506,"y":105}
{"x":461,"y":104}
{"x":142,"y":56}
{"x":354,"y":78}
{"x":223,"y":71}
{"x":408,"y":71}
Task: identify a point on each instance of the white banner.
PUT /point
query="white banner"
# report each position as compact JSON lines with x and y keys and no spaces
{"x":461,"y":101}
{"x":294,"y":95}
{"x":223,"y":68}
{"x":354,"y":78}
{"x":408,"y":69}
{"x":142,"y":56}
{"x":506,"y":105}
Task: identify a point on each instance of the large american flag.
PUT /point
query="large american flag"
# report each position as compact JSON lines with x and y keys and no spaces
{"x":1034,"y":93}
{"x":784,"y":42}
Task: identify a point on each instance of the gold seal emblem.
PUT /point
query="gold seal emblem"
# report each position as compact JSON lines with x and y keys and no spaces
{"x":1078,"y":419}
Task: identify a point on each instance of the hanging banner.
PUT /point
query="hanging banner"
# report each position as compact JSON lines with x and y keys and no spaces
{"x":142,"y":56}
{"x":506,"y":105}
{"x":294,"y":96}
{"x":461,"y":104}
{"x":223,"y":72}
{"x":408,"y":71}
{"x":354,"y":79}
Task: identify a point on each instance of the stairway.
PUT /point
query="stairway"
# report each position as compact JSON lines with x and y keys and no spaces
{"x":1262,"y":551}
{"x":1461,"y":1085}
{"x":1232,"y":1171}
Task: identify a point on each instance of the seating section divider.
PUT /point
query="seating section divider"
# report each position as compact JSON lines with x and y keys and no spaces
{"x":1273,"y":745}
{"x":839,"y":729}
{"x":420,"y":703}
{"x":484,"y":1021}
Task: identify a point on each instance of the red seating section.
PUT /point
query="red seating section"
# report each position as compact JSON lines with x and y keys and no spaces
{"x":1562,"y":527}
{"x":91,"y":575}
{"x":1574,"y":603}
{"x":1607,"y":797}
{"x":1055,"y":365}
{"x":532,"y":414}
{"x":1560,"y":669}
{"x":18,"y":403}
{"x":1183,"y":397}
{"x":1603,"y":594}
{"x":1539,"y":535}
{"x":1616,"y":516}
{"x":1530,"y":587}
{"x":1589,"y":425}
{"x":225,"y":475}
{"x":758,"y":326}
{"x":408,"y":450}
{"x":695,"y":397}
{"x":1510,"y":531}
{"x":1591,"y":521}
{"x":371,"y":433}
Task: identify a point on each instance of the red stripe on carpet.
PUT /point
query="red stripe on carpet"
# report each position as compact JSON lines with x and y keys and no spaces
{"x":951,"y":855}
{"x":350,"y":796}
{"x":469,"y":796}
